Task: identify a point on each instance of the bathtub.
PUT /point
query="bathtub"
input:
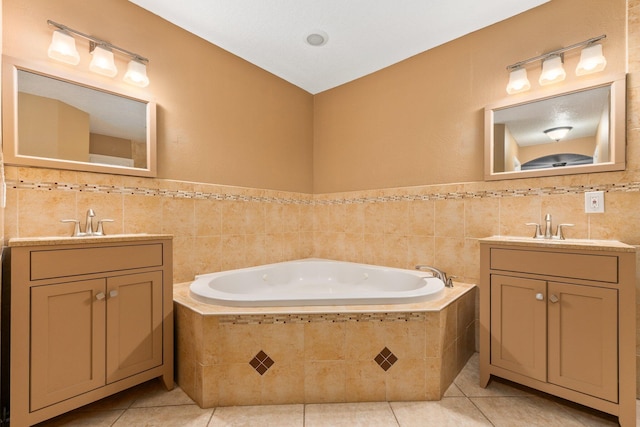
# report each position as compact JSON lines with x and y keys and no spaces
{"x":315,"y":282}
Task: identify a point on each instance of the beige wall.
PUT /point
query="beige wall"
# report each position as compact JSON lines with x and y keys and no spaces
{"x":110,"y":146}
{"x":512,"y":152}
{"x":220,"y":119}
{"x":421,"y":122}
{"x":50,"y":128}
{"x":602,"y":138}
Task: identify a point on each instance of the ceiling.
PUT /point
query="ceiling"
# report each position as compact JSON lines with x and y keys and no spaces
{"x":363,"y":36}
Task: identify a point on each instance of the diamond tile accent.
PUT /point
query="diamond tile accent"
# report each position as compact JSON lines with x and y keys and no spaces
{"x":385,"y":359}
{"x":261,"y":362}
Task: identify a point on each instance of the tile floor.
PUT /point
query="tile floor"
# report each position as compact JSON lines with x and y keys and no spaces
{"x":464,"y":404}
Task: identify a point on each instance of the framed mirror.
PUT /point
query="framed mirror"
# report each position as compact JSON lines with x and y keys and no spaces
{"x":56,"y":120}
{"x":572,"y":129}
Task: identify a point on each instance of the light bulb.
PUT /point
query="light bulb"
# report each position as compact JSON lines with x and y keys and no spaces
{"x":552,"y":70}
{"x":102,"y":61}
{"x":518,"y":81}
{"x":591,"y":60}
{"x":63,"y":48}
{"x":136,"y":74}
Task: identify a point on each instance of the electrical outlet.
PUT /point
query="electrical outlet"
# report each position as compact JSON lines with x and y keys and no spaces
{"x":594,"y":201}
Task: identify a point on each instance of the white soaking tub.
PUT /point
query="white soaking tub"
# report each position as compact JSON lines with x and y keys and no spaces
{"x":315,"y":282}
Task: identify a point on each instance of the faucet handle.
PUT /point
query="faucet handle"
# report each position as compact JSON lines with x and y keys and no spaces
{"x":449,"y":283}
{"x":76,"y":228}
{"x":559,"y":235}
{"x":538,"y":233}
{"x":100,"y":231}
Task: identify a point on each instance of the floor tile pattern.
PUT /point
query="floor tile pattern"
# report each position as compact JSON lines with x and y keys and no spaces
{"x":465,"y":404}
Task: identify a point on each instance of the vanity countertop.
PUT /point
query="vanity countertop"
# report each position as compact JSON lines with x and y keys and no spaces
{"x":594,"y":245}
{"x":58,"y":240}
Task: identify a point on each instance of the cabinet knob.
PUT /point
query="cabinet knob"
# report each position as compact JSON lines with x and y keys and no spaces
{"x":100,"y":296}
{"x":553,"y":299}
{"x":113,"y":293}
{"x":539,"y":296}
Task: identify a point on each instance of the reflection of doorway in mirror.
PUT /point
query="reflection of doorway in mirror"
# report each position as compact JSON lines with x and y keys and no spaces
{"x":521,"y":131}
{"x":51,"y":128}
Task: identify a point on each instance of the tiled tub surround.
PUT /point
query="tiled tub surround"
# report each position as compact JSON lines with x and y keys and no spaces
{"x":229,"y":356}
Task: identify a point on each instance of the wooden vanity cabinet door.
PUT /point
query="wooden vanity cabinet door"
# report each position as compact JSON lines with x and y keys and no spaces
{"x":67,"y":341}
{"x":134,"y":324}
{"x":583,"y":339}
{"x":519,"y":325}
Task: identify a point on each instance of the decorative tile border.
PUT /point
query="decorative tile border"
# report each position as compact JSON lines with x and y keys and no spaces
{"x":180,"y":194}
{"x":272,"y":319}
{"x":176,"y":194}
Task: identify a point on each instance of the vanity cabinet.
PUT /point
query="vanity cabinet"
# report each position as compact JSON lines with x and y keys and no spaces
{"x":87,"y":320}
{"x":560,"y":317}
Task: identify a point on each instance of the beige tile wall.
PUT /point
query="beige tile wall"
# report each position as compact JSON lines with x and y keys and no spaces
{"x":215,"y":227}
{"x":440,"y":226}
{"x":322,"y":358}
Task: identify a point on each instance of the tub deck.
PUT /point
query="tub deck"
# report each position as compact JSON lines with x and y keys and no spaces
{"x":228,"y":356}
{"x":181,"y":296}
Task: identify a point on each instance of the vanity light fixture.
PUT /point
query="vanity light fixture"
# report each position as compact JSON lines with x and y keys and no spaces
{"x":591,"y":61}
{"x":558,"y":133}
{"x":518,"y":81}
{"x":102,"y":61}
{"x":136,"y":73}
{"x":63,"y":49}
{"x":552,"y":70}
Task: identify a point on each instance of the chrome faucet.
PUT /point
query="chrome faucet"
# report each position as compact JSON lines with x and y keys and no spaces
{"x":88,"y":228}
{"x":548,"y":233}
{"x":548,"y":226}
{"x":448,"y":281}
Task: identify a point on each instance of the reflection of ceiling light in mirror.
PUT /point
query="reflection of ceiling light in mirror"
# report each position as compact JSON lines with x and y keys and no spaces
{"x":317,"y":38}
{"x":136,"y":74}
{"x":558,"y":133}
{"x":102,"y":61}
{"x":552,"y":70}
{"x":63,"y":48}
{"x":591,"y":60}
{"x":518,"y":81}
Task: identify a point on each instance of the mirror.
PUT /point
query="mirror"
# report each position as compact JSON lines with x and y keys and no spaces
{"x":51,"y":119}
{"x":574,"y":129}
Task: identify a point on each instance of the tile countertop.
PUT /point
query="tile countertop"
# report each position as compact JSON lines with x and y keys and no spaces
{"x":594,"y":245}
{"x":111,"y":238}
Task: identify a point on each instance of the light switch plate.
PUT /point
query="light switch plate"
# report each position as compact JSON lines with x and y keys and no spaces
{"x":594,"y":201}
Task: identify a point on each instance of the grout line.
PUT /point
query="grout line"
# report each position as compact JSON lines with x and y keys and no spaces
{"x":215,"y":408}
{"x":480,"y":410}
{"x":395,"y":417}
{"x":304,"y":414}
